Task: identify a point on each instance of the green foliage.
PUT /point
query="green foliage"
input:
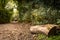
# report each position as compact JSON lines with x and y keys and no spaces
{"x":24,"y":12}
{"x":41,"y":37}
{"x":39,"y":12}
{"x":54,"y":38}
{"x":44,"y":37}
{"x":4,"y":16}
{"x":3,"y":3}
{"x":35,"y":11}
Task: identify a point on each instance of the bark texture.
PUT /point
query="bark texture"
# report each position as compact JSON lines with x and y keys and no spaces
{"x":47,"y":29}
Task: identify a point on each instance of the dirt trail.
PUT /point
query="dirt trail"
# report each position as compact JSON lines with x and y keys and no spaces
{"x":17,"y":31}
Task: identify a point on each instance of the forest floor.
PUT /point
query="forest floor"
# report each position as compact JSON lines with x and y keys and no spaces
{"x":16,"y":31}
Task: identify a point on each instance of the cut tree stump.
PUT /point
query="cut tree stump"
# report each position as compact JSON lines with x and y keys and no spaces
{"x":47,"y":29}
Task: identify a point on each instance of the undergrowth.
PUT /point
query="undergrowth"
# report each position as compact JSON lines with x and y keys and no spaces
{"x":44,"y":37}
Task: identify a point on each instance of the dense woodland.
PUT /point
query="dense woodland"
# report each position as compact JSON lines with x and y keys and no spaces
{"x":35,"y":11}
{"x":31,"y":11}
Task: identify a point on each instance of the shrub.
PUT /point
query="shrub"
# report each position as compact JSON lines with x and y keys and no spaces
{"x":39,"y":12}
{"x":4,"y":16}
{"x":44,"y":37}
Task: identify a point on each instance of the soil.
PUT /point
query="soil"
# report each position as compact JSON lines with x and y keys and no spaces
{"x":16,"y":31}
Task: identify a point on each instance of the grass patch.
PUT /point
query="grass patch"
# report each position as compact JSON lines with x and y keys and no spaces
{"x":44,"y":37}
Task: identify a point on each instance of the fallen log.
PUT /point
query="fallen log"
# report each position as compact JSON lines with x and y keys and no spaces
{"x":47,"y":29}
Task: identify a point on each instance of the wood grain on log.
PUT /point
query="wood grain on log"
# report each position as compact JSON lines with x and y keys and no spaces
{"x":47,"y":29}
